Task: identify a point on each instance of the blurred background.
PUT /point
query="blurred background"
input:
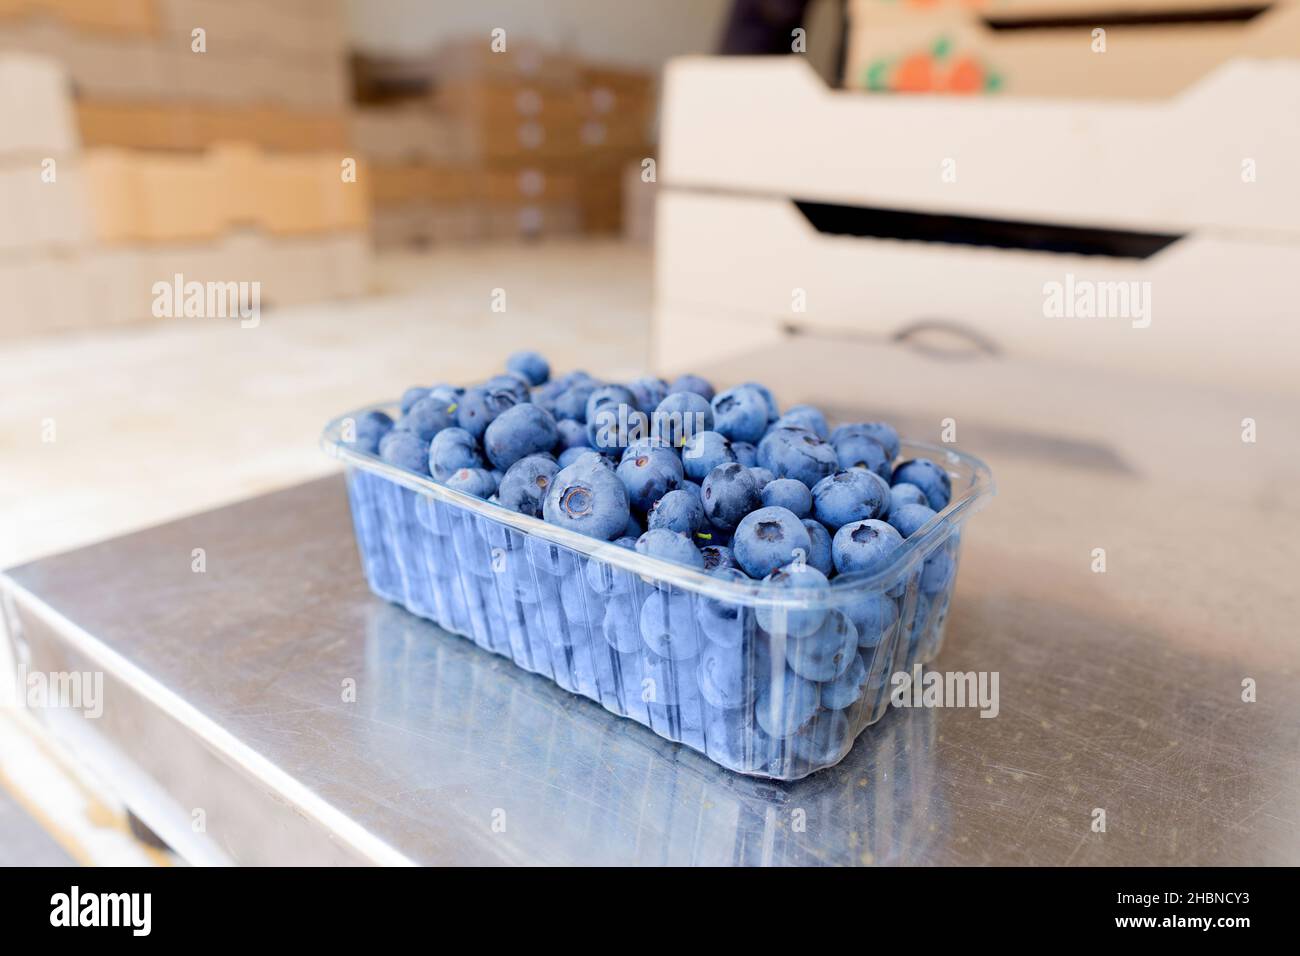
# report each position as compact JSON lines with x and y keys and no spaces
{"x":417,"y":189}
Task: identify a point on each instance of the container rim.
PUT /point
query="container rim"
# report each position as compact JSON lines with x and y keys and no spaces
{"x":843,"y":590}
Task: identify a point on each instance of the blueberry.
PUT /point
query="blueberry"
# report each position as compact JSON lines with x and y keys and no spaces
{"x":864,"y":546}
{"x":773,"y":412}
{"x":849,"y":496}
{"x":524,"y":487}
{"x":745,"y":453}
{"x":448,"y":395}
{"x":790,"y":494}
{"x":570,"y":455}
{"x":587,"y":497}
{"x":531,"y":366}
{"x":807,"y":416}
{"x":605,"y":578}
{"x":880,"y":432}
{"x":621,"y":625}
{"x":411,"y":396}
{"x":724,"y":682}
{"x":822,"y":742}
{"x":479,"y":406}
{"x":908,"y":519}
{"x":634,"y":529}
{"x":519,"y":432}
{"x":795,"y":452}
{"x":905,"y":494}
{"x":478,"y":482}
{"x":648,"y":392}
{"x":451,"y":450}
{"x":668,"y":625}
{"x":693,"y":383}
{"x":570,"y":434}
{"x":711,"y":536}
{"x":608,"y":397}
{"x":874,"y":615}
{"x":723,"y":621}
{"x":514,"y":385}
{"x":847,"y":689}
{"x":703,"y":452}
{"x":819,"y":555}
{"x":671,"y":682}
{"x":571,"y":403}
{"x":769,"y":538}
{"x":827,"y":652}
{"x":405,"y":450}
{"x":681,"y":415}
{"x":368,"y":430}
{"x":859,"y":451}
{"x":643,"y":445}
{"x":615,"y":426}
{"x":650,"y":476}
{"x":694,"y":488}
{"x":717,"y":556}
{"x":670,"y":546}
{"x":762,"y":477}
{"x":729,"y":493}
{"x":427,"y":417}
{"x":741,"y":413}
{"x":678,"y":511}
{"x":582,"y":606}
{"x":929,"y":477}
{"x":804,"y":614}
{"x":786,"y":704}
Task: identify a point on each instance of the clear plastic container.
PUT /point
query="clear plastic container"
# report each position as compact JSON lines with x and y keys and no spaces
{"x":574,"y":609}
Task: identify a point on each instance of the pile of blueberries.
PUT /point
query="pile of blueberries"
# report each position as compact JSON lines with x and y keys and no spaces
{"x":722,"y":482}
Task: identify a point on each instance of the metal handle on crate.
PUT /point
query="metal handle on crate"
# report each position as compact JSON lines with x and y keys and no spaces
{"x":977,"y":343}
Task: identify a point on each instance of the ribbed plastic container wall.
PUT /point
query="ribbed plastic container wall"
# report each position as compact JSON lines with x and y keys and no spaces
{"x":576,"y":610}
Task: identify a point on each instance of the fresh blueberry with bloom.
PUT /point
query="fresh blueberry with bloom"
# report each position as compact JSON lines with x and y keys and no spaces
{"x":880,"y":432}
{"x":679,"y":416}
{"x":648,"y":392}
{"x":937,"y":572}
{"x":762,"y":477}
{"x":741,"y":413}
{"x":368,"y":429}
{"x":649,"y":476}
{"x":519,"y":432}
{"x":570,"y":434}
{"x":790,"y":494}
{"x":427,"y":417}
{"x":643,"y":445}
{"x":588,"y":498}
{"x":515,"y":385}
{"x":929,"y":477}
{"x":478,"y":482}
{"x":479,"y":406}
{"x":531,"y":366}
{"x":621,"y":625}
{"x":723,"y":621}
{"x":745,"y":453}
{"x":769,"y":538}
{"x":874,"y":615}
{"x":859,"y":451}
{"x":571,"y":403}
{"x":670,"y":546}
{"x":786,"y":704}
{"x":405,"y":449}
{"x":827,"y":652}
{"x":692,"y":383}
{"x":805,"y":583}
{"x":451,"y":450}
{"x":807,"y":416}
{"x":729,"y":493}
{"x":411,"y":396}
{"x":607,"y":397}
{"x":524,"y":486}
{"x":790,"y":451}
{"x":819,"y":554}
{"x":773,"y":412}
{"x":668,"y":625}
{"x":570,"y":455}
{"x":724,"y":682}
{"x":703,"y":452}
{"x":909,"y":518}
{"x":823,"y":740}
{"x":905,"y":494}
{"x":847,"y":689}
{"x":848,"y":496}
{"x":864,"y":546}
{"x":678,"y":511}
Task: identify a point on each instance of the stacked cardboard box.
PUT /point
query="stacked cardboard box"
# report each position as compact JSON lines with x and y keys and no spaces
{"x":1083,"y":48}
{"x":468,"y":142}
{"x":86,"y":234}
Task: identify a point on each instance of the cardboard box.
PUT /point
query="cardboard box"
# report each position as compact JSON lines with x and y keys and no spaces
{"x":424,"y":223}
{"x":1180,"y":165}
{"x":420,"y":182}
{"x":526,"y":220}
{"x":38,"y":213}
{"x":522,"y":61}
{"x":407,"y":133}
{"x":1149,"y":48}
{"x":123,"y":17}
{"x":36,"y":119}
{"x":198,"y":126}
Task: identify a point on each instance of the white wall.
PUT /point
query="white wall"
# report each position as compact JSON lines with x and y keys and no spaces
{"x":637,"y":32}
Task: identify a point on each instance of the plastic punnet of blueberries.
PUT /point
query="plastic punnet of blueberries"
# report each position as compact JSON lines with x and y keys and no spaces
{"x":725,"y":483}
